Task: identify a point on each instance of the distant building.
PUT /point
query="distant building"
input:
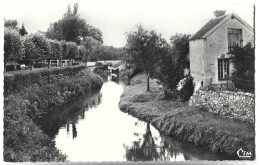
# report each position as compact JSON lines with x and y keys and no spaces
{"x":210,"y":46}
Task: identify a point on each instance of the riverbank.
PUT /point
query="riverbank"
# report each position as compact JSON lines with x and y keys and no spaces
{"x":23,"y":139}
{"x":192,"y":124}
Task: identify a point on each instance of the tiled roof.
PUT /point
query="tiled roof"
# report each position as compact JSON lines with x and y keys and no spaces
{"x":213,"y":22}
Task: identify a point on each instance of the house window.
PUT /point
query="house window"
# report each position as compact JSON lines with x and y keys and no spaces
{"x":234,"y":38}
{"x":223,"y":69}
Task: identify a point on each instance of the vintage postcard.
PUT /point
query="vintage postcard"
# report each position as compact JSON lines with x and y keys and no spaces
{"x":129,"y":81}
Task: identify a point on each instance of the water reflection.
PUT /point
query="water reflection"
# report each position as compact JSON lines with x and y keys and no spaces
{"x":142,"y":151}
{"x":67,"y":115}
{"x":92,"y":128}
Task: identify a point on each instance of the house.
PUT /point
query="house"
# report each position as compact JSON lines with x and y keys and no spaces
{"x":211,"y":45}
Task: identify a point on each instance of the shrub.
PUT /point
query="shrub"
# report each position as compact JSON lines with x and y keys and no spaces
{"x":186,"y":88}
{"x":16,"y":82}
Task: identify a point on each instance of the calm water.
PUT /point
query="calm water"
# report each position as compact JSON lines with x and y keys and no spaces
{"x":92,"y":128}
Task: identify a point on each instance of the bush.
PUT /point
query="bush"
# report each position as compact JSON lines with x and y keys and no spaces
{"x":186,"y":88}
{"x":16,"y":82}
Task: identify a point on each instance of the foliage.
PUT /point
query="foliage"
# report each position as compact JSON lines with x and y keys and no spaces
{"x":72,"y":28}
{"x":172,"y":61}
{"x":90,"y":45}
{"x":180,"y":47}
{"x":23,"y":139}
{"x":186,"y":88}
{"x":30,"y":52}
{"x":72,"y":50}
{"x":22,"y":30}
{"x":12,"y":45}
{"x":16,"y":82}
{"x":107,"y":53}
{"x":11,"y":24}
{"x":42,"y":46}
{"x":144,"y":48}
{"x":56,"y":49}
{"x":82,"y":52}
{"x":243,"y":60}
{"x":65,"y":48}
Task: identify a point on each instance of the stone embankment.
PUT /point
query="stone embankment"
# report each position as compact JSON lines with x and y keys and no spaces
{"x":234,"y":105}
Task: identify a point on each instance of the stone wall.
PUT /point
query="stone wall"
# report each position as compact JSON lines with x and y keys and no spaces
{"x":235,"y":105}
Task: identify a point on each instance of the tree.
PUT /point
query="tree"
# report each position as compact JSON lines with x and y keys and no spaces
{"x":144,"y":48}
{"x":65,"y":50}
{"x":172,"y":61}
{"x":180,"y":47}
{"x":30,"y":52}
{"x":22,"y":30}
{"x":12,"y":46}
{"x":11,"y":24}
{"x":243,"y":60}
{"x":91,"y":45}
{"x":42,"y":47}
{"x":82,"y":52}
{"x":72,"y":51}
{"x":72,"y":28}
{"x":55,"y":49}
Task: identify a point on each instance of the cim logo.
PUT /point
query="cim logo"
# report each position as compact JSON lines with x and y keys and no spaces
{"x":244,"y":154}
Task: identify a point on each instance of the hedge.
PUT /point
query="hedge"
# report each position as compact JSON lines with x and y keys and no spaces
{"x":16,"y":82}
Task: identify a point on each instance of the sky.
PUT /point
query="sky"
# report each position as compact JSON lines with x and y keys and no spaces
{"x":116,"y":18}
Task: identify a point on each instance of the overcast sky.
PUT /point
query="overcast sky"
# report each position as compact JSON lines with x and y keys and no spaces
{"x":114,"y":19}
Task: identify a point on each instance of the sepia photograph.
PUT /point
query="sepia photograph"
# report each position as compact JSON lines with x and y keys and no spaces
{"x":128,"y":81}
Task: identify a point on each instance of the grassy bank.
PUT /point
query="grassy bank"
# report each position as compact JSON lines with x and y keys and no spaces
{"x":23,"y":139}
{"x":190,"y":124}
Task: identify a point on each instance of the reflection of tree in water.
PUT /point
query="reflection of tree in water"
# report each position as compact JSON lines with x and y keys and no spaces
{"x":67,"y":114}
{"x":74,"y":131}
{"x":147,"y":150}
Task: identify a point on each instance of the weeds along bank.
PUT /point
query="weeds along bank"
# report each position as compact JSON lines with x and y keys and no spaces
{"x":193,"y":124}
{"x":30,"y":95}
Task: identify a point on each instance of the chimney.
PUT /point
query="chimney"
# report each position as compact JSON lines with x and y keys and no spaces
{"x":219,"y":13}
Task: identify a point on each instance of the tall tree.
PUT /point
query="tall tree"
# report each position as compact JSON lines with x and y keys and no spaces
{"x":23,"y":31}
{"x":144,"y":48}
{"x":180,"y":48}
{"x":72,"y":28}
{"x":12,"y":46}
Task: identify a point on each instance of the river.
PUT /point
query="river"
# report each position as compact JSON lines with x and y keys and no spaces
{"x":92,"y":128}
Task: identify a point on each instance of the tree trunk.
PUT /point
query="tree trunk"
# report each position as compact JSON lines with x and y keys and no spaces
{"x":148,"y":85}
{"x":61,"y":62}
{"x":49,"y":64}
{"x":31,"y":67}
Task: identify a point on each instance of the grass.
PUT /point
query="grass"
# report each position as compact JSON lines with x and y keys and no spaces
{"x":188,"y":123}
